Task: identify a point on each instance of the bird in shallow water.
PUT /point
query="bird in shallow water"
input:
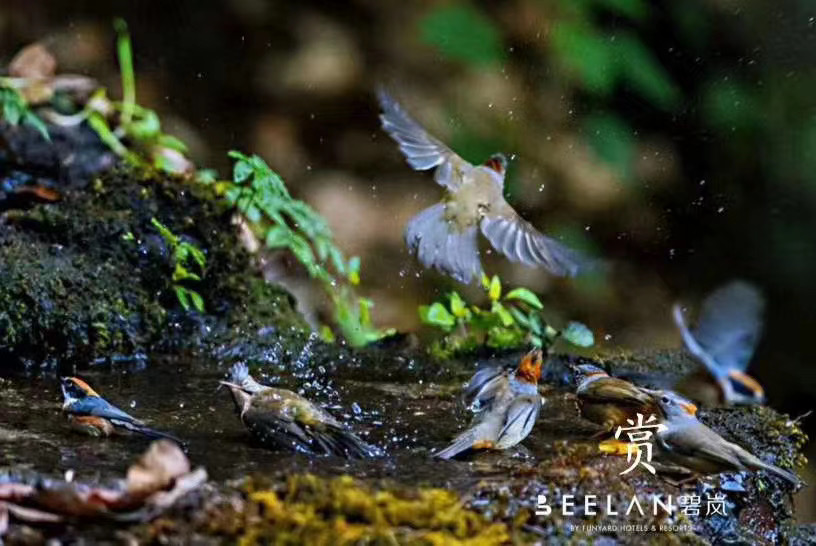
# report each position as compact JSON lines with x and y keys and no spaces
{"x":688,"y":443}
{"x":444,"y":236}
{"x":279,"y":418}
{"x":609,"y":401}
{"x":723,"y":341}
{"x":91,"y":414}
{"x":506,"y":407}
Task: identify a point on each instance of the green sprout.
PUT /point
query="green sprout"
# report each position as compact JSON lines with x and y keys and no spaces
{"x":512,"y":320}
{"x":187,"y":259}
{"x":282,"y":222}
{"x":15,"y":109}
{"x":131,"y":131}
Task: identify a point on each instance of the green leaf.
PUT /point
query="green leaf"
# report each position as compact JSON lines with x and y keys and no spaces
{"x":494,"y":292}
{"x":125,"y":53}
{"x":461,"y":32}
{"x":504,"y":315}
{"x":586,"y":55}
{"x":525,"y":295}
{"x":437,"y":315}
{"x":241,"y":171}
{"x":145,"y":128}
{"x":457,"y":305}
{"x":578,"y":334}
{"x":181,"y":294}
{"x":520,"y":317}
{"x":30,"y":119}
{"x":641,"y":71}
{"x":277,"y":237}
{"x":166,"y":234}
{"x":198,"y":301}
{"x":169,"y":141}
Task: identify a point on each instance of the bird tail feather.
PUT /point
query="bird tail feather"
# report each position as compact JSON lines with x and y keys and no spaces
{"x":439,"y":244}
{"x":462,"y":443}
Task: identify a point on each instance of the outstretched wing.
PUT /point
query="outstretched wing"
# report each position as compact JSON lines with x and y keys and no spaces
{"x":421,"y":150}
{"x":517,"y":239}
{"x":730,"y":324}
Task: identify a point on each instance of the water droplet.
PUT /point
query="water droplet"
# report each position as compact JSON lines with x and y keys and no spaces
{"x":607,"y":337}
{"x":355,"y":407}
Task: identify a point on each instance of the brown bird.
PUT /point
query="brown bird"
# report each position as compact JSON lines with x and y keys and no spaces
{"x":506,"y":407}
{"x":280,"y":418}
{"x":444,"y":236}
{"x":688,"y":443}
{"x":723,"y":341}
{"x":610,"y":401}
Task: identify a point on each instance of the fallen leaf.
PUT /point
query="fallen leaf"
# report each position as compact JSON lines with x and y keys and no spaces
{"x":157,"y":469}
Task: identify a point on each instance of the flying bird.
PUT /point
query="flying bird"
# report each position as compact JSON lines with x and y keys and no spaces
{"x":445,"y":236}
{"x":725,"y":337}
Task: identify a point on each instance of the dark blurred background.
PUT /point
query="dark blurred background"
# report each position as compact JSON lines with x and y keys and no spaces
{"x":675,"y":139}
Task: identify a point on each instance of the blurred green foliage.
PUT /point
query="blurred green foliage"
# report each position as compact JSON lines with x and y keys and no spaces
{"x":462,"y":32}
{"x":189,"y":263}
{"x":512,"y":320}
{"x":15,"y":110}
{"x":282,"y":222}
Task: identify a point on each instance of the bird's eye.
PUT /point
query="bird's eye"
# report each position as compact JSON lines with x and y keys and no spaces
{"x":666,"y":400}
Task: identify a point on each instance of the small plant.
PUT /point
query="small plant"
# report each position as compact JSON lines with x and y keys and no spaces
{"x":282,"y":222}
{"x":511,"y":320}
{"x":15,"y":109}
{"x":140,"y":127}
{"x":187,"y":259}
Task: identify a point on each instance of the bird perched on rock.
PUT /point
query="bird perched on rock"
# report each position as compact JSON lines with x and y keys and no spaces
{"x":280,"y":418}
{"x":91,"y":414}
{"x":688,"y":443}
{"x":609,"y":401}
{"x":444,"y":236}
{"x":723,"y":341}
{"x":506,"y":407}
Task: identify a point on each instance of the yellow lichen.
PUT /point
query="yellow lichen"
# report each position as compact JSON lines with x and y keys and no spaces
{"x":313,"y":510}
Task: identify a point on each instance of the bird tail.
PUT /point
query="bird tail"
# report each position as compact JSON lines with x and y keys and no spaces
{"x":462,"y":443}
{"x":345,"y":443}
{"x":784,"y":474}
{"x":147,"y":431}
{"x":439,"y":244}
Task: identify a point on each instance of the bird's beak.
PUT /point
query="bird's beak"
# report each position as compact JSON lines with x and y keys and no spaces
{"x":690,"y":408}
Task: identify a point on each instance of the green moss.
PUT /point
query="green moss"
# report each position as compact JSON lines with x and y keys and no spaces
{"x":73,"y":286}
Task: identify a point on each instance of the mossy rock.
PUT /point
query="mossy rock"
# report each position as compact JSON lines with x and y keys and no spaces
{"x":88,"y":276}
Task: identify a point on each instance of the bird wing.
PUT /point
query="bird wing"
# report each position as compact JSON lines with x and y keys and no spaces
{"x":730,"y":324}
{"x":521,"y":416}
{"x":99,"y":407}
{"x":483,"y":387}
{"x":618,"y":391}
{"x":517,"y":239}
{"x":701,"y":443}
{"x":421,"y":150}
